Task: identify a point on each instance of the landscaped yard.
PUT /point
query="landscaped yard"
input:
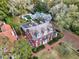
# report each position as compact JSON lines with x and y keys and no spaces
{"x":48,"y":55}
{"x":63,"y":51}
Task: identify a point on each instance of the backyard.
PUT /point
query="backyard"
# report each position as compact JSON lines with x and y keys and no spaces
{"x":63,"y":51}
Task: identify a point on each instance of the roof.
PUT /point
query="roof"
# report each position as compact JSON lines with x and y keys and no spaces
{"x":38,"y":31}
{"x":8,"y":32}
{"x":40,"y":16}
{"x":6,"y":27}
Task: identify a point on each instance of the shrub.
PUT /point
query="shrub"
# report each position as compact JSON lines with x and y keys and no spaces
{"x":34,"y":57}
{"x":38,"y":48}
{"x":50,"y":42}
{"x":40,"y":7}
{"x":75,"y":29}
{"x":55,"y":39}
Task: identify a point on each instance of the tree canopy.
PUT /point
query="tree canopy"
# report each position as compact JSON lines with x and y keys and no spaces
{"x":22,"y":49}
{"x":4,"y":10}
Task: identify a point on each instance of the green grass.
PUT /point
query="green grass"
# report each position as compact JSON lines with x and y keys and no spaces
{"x":63,"y":51}
{"x":67,"y":52}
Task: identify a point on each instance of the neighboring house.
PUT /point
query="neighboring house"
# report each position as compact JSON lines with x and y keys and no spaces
{"x":38,"y":34}
{"x":7,"y":31}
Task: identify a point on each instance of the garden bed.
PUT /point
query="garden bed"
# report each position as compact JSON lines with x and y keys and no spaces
{"x":34,"y":57}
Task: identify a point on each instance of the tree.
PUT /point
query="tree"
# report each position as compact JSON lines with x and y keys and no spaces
{"x":40,"y":7}
{"x":17,"y":7}
{"x":75,"y":27}
{"x":4,"y":10}
{"x":5,"y":46}
{"x":4,"y":41}
{"x":71,"y":1}
{"x":66,"y":16}
{"x":22,"y":49}
{"x":58,"y":9}
{"x":14,"y":23}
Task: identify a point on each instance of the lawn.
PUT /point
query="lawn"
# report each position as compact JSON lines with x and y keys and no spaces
{"x":63,"y":51}
{"x":48,"y":55}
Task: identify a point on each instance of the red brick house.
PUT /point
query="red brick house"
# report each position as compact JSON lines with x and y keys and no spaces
{"x":7,"y":31}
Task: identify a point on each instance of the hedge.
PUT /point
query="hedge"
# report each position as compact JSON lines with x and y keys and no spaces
{"x":38,"y":48}
{"x":34,"y":57}
{"x":55,"y":39}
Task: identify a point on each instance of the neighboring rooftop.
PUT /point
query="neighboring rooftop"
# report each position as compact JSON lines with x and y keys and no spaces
{"x":7,"y":31}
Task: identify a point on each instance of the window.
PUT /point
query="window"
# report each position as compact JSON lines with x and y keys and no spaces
{"x":0,"y":30}
{"x":12,"y":33}
{"x":1,"y":57}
